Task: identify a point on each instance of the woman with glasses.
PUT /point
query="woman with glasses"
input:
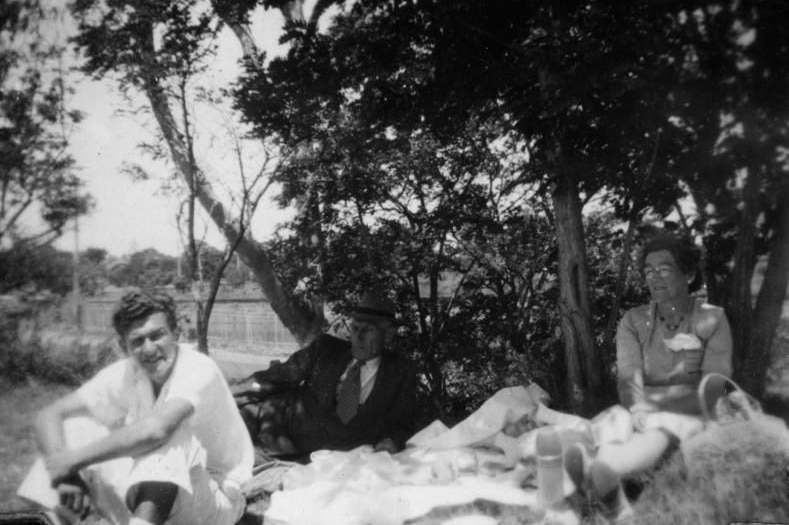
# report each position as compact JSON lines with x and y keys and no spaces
{"x":664,"y":348}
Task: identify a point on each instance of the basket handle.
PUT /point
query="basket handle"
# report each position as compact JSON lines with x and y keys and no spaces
{"x":750,"y":400}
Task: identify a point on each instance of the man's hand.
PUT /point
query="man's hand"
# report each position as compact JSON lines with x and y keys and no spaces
{"x":386,"y":445}
{"x":74,"y":499}
{"x":252,"y":388}
{"x":61,"y":467}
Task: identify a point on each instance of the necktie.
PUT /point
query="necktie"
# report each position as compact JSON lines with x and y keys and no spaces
{"x":348,"y":396}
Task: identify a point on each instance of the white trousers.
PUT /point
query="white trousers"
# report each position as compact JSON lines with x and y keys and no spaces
{"x":201,"y":500}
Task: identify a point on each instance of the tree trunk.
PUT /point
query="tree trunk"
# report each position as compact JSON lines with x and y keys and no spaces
{"x":213,"y":290}
{"x":769,"y":304}
{"x":427,"y":351}
{"x":304,"y":322}
{"x":582,"y":358}
{"x":195,"y":267}
{"x":621,"y":278}
{"x":708,"y":275}
{"x":740,"y":307}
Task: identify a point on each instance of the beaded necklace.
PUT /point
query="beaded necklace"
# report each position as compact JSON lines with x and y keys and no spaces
{"x":671,"y":326}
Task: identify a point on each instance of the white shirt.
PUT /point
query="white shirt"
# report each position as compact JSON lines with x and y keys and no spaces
{"x":367,"y":374}
{"x":120,"y":394}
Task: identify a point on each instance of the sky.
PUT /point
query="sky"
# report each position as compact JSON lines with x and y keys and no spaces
{"x":129,"y":215}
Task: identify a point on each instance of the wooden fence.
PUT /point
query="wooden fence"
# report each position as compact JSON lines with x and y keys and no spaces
{"x":241,"y":325}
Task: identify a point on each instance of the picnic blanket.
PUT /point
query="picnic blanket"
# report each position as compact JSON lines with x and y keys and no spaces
{"x":475,"y":466}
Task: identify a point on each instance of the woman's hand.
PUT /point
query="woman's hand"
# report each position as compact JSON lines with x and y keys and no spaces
{"x":639,"y":420}
{"x":639,"y":413}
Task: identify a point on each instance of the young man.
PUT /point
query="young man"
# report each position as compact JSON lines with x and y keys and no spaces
{"x":335,"y":394}
{"x":164,"y":442}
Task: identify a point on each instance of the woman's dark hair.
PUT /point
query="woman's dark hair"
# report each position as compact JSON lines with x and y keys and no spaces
{"x":686,"y":254}
{"x":135,"y":306}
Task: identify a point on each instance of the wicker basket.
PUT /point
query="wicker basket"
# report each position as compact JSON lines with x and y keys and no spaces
{"x":736,"y":405}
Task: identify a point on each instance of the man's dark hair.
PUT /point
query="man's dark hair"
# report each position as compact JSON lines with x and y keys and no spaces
{"x":135,"y":306}
{"x":686,"y":254}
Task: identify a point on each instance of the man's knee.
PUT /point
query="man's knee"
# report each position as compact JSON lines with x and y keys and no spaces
{"x":152,"y":500}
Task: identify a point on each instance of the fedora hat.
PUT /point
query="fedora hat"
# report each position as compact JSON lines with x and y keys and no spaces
{"x":373,"y":306}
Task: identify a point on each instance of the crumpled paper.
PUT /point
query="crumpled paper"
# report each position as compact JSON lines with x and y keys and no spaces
{"x":484,"y":426}
{"x":365,"y":487}
{"x":441,"y":466}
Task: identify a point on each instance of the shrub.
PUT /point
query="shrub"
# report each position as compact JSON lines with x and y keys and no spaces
{"x":64,"y":355}
{"x":56,"y":352}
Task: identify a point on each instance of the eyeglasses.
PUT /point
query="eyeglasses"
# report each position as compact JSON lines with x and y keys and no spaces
{"x":662,"y":271}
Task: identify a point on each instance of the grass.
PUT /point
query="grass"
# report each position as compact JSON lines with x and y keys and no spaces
{"x":718,"y":486}
{"x":743,"y":477}
{"x":18,"y":404}
{"x":728,"y":474}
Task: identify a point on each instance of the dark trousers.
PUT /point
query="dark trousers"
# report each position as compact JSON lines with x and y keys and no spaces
{"x":268,"y":419}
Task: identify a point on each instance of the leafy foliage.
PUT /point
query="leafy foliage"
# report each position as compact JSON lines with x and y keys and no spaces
{"x":39,"y":268}
{"x":448,"y":142}
{"x":36,"y":171}
{"x":146,"y":269}
{"x":112,"y":35}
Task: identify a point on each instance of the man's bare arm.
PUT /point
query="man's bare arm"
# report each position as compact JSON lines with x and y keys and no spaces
{"x":49,"y":422}
{"x":135,"y":439}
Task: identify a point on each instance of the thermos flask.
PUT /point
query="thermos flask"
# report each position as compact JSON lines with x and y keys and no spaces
{"x":550,"y":469}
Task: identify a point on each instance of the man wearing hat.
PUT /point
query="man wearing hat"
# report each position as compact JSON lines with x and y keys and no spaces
{"x":335,"y":394}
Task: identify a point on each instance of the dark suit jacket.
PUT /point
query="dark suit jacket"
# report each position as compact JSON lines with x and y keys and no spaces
{"x":312,"y":375}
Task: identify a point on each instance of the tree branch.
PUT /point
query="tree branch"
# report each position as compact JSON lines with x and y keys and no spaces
{"x":304,"y":323}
